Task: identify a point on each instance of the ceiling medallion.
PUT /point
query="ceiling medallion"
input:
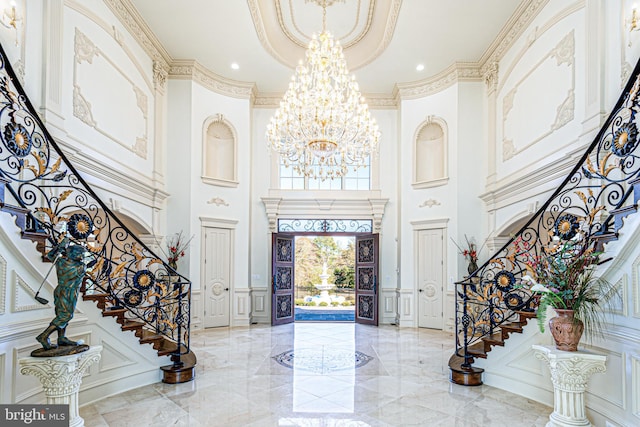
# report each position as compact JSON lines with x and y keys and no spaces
{"x":323,"y":126}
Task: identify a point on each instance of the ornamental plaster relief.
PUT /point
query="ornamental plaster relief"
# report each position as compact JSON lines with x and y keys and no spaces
{"x":89,"y":61}
{"x":515,"y":137}
{"x":283,"y":37}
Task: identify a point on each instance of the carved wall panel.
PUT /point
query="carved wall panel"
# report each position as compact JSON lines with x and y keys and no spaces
{"x":537,"y":105}
{"x":93,"y":73}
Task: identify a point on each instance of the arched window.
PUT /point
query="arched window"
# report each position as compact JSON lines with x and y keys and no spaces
{"x":219,"y":152}
{"x":430,"y":154}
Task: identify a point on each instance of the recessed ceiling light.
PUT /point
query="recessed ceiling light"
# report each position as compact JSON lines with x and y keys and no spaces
{"x":235,"y":65}
{"x":419,"y":67}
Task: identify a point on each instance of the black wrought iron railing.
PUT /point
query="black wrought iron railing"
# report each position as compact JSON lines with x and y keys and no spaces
{"x":585,"y":203}
{"x":41,"y":179}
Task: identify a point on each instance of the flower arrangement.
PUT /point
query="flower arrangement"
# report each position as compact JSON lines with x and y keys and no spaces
{"x":470,"y":253}
{"x":564,"y":277}
{"x":176,"y":246}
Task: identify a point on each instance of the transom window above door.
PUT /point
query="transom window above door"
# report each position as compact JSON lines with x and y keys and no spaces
{"x":358,"y":179}
{"x":325,"y":225}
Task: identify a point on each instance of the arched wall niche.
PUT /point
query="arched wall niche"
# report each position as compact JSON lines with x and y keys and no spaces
{"x":219,"y":152}
{"x":430,"y":153}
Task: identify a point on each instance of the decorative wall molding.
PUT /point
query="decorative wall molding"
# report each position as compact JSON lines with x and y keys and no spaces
{"x":3,"y":284}
{"x":635,"y":286}
{"x":132,"y":181}
{"x":511,"y":32}
{"x":160,"y":75}
{"x":86,"y":51}
{"x":429,"y":224}
{"x":429,"y":203}
{"x":455,"y":73}
{"x":112,"y":358}
{"x":309,"y":205}
{"x":23,"y":297}
{"x":241,"y":307}
{"x":388,"y":305}
{"x":192,"y":70}
{"x":261,"y":305}
{"x":621,"y":308}
{"x":490,"y":75}
{"x":564,"y":53}
{"x":217,"y":201}
{"x":132,"y":21}
{"x":635,"y":385}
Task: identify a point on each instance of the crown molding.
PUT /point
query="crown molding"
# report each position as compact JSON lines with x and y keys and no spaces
{"x":193,"y":70}
{"x":512,"y":30}
{"x":456,"y":72}
{"x":133,"y":22}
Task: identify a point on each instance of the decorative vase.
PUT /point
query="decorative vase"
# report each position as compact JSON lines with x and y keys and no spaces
{"x":566,"y":330}
{"x":473,"y":266}
{"x":173,"y":265}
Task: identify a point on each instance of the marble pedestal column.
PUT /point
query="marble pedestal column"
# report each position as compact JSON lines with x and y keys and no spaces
{"x":61,"y":378}
{"x":570,"y":373}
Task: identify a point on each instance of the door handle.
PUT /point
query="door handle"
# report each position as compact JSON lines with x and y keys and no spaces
{"x":226,"y":289}
{"x":420,"y":290}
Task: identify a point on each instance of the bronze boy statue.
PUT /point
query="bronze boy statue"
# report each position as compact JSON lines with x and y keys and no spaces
{"x":70,"y":268}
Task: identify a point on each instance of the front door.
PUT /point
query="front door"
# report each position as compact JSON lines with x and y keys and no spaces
{"x":367,"y":279}
{"x":217,"y":276}
{"x":283,"y":259}
{"x":430,"y":278}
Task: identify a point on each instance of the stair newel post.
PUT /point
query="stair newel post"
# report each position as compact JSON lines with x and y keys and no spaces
{"x":178,"y":319}
{"x":466,"y":321}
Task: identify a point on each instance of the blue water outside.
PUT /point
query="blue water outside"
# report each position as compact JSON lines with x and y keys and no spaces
{"x":324,"y":315}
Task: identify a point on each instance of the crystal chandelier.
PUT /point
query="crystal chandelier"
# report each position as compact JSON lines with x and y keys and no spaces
{"x":323,"y":126}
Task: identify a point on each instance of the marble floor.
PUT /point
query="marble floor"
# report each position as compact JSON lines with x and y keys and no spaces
{"x":317,"y":375}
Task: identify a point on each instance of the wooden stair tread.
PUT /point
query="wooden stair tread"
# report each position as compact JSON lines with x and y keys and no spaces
{"x":513,"y":326}
{"x":527,"y":314}
{"x":114,"y":312}
{"x":150,"y":337}
{"x":95,"y":297}
{"x":477,"y":350}
{"x":625,"y":210}
{"x":130,"y":325}
{"x":167,"y":347}
{"x":605,"y":235}
{"x":495,"y":339}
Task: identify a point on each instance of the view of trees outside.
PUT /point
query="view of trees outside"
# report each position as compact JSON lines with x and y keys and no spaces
{"x":311,"y":252}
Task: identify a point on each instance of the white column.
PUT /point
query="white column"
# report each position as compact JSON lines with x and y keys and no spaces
{"x":570,"y":373}
{"x":61,"y":378}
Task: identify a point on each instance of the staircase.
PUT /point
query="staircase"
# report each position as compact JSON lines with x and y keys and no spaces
{"x":46,"y":195}
{"x":593,"y":200}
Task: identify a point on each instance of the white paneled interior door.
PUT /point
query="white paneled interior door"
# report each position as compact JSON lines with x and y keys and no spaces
{"x":430,"y":278}
{"x":217,"y":277}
